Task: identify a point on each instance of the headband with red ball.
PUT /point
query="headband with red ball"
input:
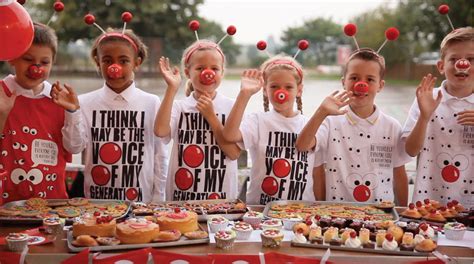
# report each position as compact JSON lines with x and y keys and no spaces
{"x":461,"y":65}
{"x":302,"y":45}
{"x":36,"y":71}
{"x":126,"y":17}
{"x":194,"y":26}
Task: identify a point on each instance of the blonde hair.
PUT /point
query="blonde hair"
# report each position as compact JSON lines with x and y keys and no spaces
{"x":366,"y":54}
{"x":141,"y":51}
{"x":199,"y":45}
{"x":458,"y":35}
{"x":282,"y":62}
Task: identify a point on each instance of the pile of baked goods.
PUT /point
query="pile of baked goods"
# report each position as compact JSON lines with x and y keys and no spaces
{"x":433,"y":211}
{"x":334,"y":210}
{"x":38,"y":208}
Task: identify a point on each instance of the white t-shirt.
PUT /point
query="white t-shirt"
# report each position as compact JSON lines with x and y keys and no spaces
{"x":123,"y":158}
{"x":446,"y":162}
{"x":198,"y":168}
{"x":360,"y":155}
{"x":279,"y":171}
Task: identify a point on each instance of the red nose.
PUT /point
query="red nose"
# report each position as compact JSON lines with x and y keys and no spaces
{"x":114,"y":71}
{"x":25,"y":189}
{"x":361,"y":193}
{"x":462,"y":65}
{"x":450,"y":173}
{"x":35,"y":71}
{"x":280,"y":96}
{"x":361,"y":87}
{"x":207,"y":76}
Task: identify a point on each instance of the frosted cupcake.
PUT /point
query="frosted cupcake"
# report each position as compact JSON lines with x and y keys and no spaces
{"x":17,"y":241}
{"x":225,"y":239}
{"x":217,"y":223}
{"x":243,"y":230}
{"x":272,"y":223}
{"x":253,"y":218}
{"x":53,"y":225}
{"x":454,"y":231}
{"x":271,"y":237}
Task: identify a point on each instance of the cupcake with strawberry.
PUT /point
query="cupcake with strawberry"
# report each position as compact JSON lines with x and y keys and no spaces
{"x":225,"y":239}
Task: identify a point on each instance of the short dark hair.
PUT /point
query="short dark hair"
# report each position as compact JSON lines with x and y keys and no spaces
{"x":367,"y":55}
{"x":45,"y":36}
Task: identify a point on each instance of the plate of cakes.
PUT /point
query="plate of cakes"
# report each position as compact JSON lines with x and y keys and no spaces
{"x":232,"y":209}
{"x":339,"y":210}
{"x":433,"y":212}
{"x":100,"y":232}
{"x":34,"y":210}
{"x":382,"y":237}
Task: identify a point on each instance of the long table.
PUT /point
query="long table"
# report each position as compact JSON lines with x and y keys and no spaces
{"x":57,"y":251}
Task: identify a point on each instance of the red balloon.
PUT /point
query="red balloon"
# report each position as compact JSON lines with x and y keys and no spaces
{"x":127,"y":17}
{"x":58,"y":6}
{"x":89,"y":19}
{"x":231,"y":30}
{"x":443,"y":9}
{"x":194,"y":25}
{"x":350,"y":29}
{"x":303,"y":44}
{"x":392,"y":33}
{"x":261,"y":45}
{"x":16,"y":30}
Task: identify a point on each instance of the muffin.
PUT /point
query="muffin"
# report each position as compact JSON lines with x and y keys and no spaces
{"x":253,"y":218}
{"x":397,"y":233}
{"x":272,"y":223}
{"x":217,"y":223}
{"x":271,"y":237}
{"x":225,"y":239}
{"x":426,"y":245}
{"x":411,"y":212}
{"x":243,"y":230}
{"x":421,"y":209}
{"x":454,"y":231}
{"x":17,"y":241}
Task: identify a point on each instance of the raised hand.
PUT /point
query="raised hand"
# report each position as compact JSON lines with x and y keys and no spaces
{"x":66,"y":98}
{"x":205,"y":106}
{"x":333,"y":103}
{"x":424,"y":96}
{"x":6,"y":102}
{"x":251,"y":81}
{"x":170,"y":74}
{"x":466,"y":118}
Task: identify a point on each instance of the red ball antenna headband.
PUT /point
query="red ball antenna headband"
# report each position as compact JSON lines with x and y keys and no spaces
{"x":444,"y":10}
{"x":390,"y":34}
{"x":194,"y":26}
{"x":58,"y":6}
{"x":89,"y":19}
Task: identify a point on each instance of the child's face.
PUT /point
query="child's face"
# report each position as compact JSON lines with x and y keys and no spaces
{"x":202,"y":60}
{"x":282,"y":79}
{"x":121,"y":53}
{"x":455,"y":51}
{"x":367,"y":71}
{"x":39,"y":55}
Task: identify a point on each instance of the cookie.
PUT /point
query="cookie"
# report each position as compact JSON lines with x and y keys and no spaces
{"x":36,"y":202}
{"x":30,"y":212}
{"x":68,"y":212}
{"x":108,"y":241}
{"x":9,"y":212}
{"x":196,"y":235}
{"x":56,"y":203}
{"x":78,"y":201}
{"x":168,"y":235}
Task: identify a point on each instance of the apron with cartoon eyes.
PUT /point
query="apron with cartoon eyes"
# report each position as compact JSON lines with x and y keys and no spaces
{"x":32,"y":152}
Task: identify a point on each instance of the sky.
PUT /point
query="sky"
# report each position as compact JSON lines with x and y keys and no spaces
{"x":257,"y":19}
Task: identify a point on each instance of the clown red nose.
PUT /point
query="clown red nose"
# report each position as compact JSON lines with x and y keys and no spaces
{"x":35,"y":71}
{"x":281,"y":96}
{"x":361,"y":88}
{"x":462,"y":65}
{"x":114,"y":71}
{"x":207,"y":77}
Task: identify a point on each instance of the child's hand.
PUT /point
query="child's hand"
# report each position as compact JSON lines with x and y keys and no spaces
{"x":332,"y":104}
{"x":205,"y":106}
{"x":171,"y":75}
{"x":424,"y":96}
{"x":6,"y":102}
{"x":251,"y":82}
{"x":66,"y":98}
{"x":466,"y":118}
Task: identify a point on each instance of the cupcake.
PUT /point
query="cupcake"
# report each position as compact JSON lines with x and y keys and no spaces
{"x":271,"y":237}
{"x":290,"y":221}
{"x":446,"y":213}
{"x":243,"y":230}
{"x":454,"y":231}
{"x":411,"y":212}
{"x":389,"y":243}
{"x":217,"y":223}
{"x":53,"y":225}
{"x":272,"y":223}
{"x":353,"y":241}
{"x":225,"y":239}
{"x":421,"y":209}
{"x":426,"y":231}
{"x":253,"y":218}
{"x":17,"y":241}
